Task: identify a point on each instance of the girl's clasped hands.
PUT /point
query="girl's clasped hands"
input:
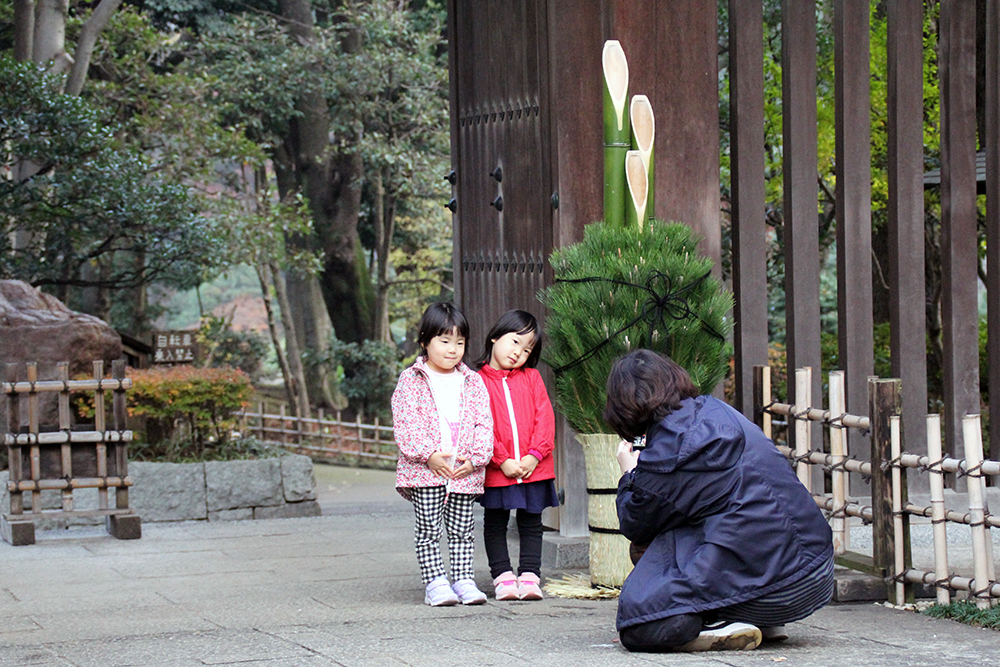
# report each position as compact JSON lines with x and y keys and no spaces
{"x":519,"y":469}
{"x":438,"y":463}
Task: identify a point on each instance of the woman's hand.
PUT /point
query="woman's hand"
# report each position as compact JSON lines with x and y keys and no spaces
{"x":626,"y":457}
{"x":463,"y":470}
{"x":511,"y":469}
{"x":438,"y":464}
{"x":528,"y":464}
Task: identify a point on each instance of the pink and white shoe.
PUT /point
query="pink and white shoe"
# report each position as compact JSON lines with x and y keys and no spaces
{"x":506,"y":586}
{"x":528,"y":588}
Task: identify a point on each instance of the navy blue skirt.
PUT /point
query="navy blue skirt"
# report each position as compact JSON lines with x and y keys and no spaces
{"x":531,"y":496}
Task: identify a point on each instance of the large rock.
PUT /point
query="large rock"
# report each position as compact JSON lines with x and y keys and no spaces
{"x":38,"y":327}
{"x":237,"y":484}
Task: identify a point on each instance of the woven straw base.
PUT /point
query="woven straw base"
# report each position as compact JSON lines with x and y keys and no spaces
{"x":578,"y":586}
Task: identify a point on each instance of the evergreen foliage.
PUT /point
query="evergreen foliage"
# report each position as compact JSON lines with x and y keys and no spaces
{"x":639,"y":288}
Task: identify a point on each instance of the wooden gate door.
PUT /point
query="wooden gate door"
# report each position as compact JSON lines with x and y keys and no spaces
{"x":500,"y":154}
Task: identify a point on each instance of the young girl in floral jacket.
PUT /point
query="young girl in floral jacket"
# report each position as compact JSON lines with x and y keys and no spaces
{"x":444,"y":432}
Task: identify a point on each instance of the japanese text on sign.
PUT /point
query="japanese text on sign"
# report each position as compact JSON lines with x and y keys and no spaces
{"x":174,"y":347}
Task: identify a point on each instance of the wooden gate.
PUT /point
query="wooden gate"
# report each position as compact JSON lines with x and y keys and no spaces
{"x":502,"y":183}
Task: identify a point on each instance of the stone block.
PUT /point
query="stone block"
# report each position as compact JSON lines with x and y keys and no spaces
{"x":239,"y":514}
{"x":297,"y":478}
{"x":236,"y":484}
{"x":168,"y":491}
{"x":124,"y":526}
{"x":288,"y":510}
{"x":17,"y":533}
{"x":561,"y":553}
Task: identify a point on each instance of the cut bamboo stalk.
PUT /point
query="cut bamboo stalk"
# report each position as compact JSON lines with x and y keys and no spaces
{"x":638,"y":185}
{"x":838,"y":451}
{"x":617,"y":136}
{"x":899,"y":564}
{"x":609,"y":557}
{"x":972,"y":437}
{"x":643,"y":136}
{"x":767,"y":397}
{"x":803,"y":387}
{"x":937,"y":506}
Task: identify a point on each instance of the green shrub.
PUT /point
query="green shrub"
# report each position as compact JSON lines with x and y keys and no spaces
{"x":367,"y":373}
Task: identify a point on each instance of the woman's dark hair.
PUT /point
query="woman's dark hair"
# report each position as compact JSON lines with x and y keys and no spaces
{"x":643,"y":388}
{"x":438,"y":319}
{"x":517,"y":321}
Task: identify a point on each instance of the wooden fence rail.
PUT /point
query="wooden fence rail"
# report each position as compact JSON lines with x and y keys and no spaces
{"x":890,"y":510}
{"x":323,"y":437}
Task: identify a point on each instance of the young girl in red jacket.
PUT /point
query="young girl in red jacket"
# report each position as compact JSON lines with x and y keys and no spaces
{"x":520,"y":475}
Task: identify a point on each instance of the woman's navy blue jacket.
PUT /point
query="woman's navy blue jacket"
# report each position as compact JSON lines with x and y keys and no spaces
{"x":727,"y":519}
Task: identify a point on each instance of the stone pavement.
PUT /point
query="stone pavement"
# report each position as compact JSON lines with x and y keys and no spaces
{"x":343,"y":589}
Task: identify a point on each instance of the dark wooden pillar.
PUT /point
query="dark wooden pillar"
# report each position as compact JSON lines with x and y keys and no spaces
{"x":992,"y":147}
{"x":672,"y":50}
{"x":959,"y":299}
{"x":906,"y":221}
{"x":746,"y":145}
{"x":854,"y":229}
{"x":801,"y":233}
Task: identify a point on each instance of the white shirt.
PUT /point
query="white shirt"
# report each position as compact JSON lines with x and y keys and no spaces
{"x":447,"y":391}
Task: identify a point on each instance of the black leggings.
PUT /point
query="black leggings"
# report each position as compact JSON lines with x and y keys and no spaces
{"x":529,"y":529}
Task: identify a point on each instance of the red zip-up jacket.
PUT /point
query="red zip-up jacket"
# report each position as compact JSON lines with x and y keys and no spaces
{"x":535,"y":423}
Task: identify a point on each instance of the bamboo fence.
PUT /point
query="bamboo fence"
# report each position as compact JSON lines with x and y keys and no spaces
{"x":890,"y":511}
{"x":65,"y":457}
{"x":323,"y":437}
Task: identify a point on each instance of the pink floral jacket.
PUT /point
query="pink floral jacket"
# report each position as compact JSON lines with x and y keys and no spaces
{"x":418,"y":431}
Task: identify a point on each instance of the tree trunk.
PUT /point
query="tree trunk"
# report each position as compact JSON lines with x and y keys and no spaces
{"x":85,"y":44}
{"x":385,"y":221}
{"x":50,"y":30}
{"x":329,"y":181}
{"x":272,"y":328}
{"x":291,"y":343}
{"x":313,"y":332}
{"x":24,"y":30}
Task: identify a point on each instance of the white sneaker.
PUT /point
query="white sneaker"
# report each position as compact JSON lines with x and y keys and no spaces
{"x":468,"y":593}
{"x":439,"y":593}
{"x":723,"y":636}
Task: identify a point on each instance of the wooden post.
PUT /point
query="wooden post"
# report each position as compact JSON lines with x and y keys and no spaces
{"x":838,"y":452}
{"x":762,"y":398}
{"x":883,"y":403}
{"x":377,"y":447}
{"x":973,"y":440}
{"x":35,"y":455}
{"x":361,"y":439}
{"x":938,"y":520}
{"x":119,"y":414}
{"x":340,"y":433}
{"x":66,"y":449}
{"x":281,"y":415}
{"x":101,"y":426}
{"x":14,"y":454}
{"x":900,"y":520}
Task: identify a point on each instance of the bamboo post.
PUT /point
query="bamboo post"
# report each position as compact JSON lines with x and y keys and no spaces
{"x":803,"y":440}
{"x":14,"y":453}
{"x":66,"y":449}
{"x":883,"y":397}
{"x":340,"y":433}
{"x":762,"y":398}
{"x":377,"y":448}
{"x":100,"y":425}
{"x":119,"y":414}
{"x":35,"y":455}
{"x":898,"y":517}
{"x":638,"y":184}
{"x":361,"y":438}
{"x":617,"y":135}
{"x":938,"y":520}
{"x":973,"y":440}
{"x":838,"y":477}
{"x":643,"y":138}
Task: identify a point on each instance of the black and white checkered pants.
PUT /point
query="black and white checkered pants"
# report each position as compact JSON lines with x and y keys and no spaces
{"x":430,"y":509}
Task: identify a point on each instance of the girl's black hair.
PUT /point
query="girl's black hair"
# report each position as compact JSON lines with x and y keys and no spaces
{"x":520,"y":322}
{"x":643,"y":388}
{"x":438,"y":319}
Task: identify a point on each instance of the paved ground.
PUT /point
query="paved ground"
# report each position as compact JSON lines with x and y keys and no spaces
{"x":343,"y":589}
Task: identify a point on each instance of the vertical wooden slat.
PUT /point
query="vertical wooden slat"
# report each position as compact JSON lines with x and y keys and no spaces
{"x":35,"y":453}
{"x":66,"y":449}
{"x":15,"y":456}
{"x":841,"y":523}
{"x":992,"y":148}
{"x":100,"y":425}
{"x":884,"y":403}
{"x":853,"y":207}
{"x":959,"y":246}
{"x":801,"y":233}
{"x":749,"y":240}
{"x":901,"y":591}
{"x":906,"y":219}
{"x":941,"y":572}
{"x":119,"y":414}
{"x":762,"y":398}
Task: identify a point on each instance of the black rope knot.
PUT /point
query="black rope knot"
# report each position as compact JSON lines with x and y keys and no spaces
{"x":663,"y":302}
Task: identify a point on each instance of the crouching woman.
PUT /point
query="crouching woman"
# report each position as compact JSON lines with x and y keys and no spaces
{"x":729,"y":544}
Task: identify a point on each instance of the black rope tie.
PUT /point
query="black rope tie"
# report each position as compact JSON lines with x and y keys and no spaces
{"x":601,"y":492}
{"x":663,"y":302}
{"x":974,"y":471}
{"x":606,"y":531}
